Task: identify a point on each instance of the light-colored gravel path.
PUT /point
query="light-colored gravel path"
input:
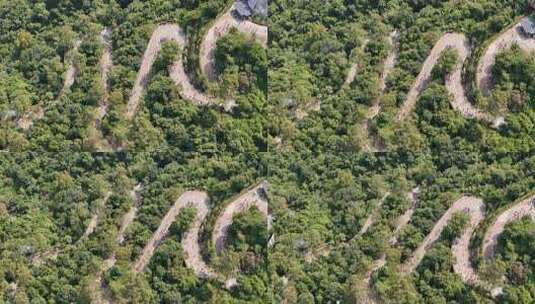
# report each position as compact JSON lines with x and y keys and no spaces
{"x":106,"y":64}
{"x":404,"y":219}
{"x":371,"y":218}
{"x":168,"y":32}
{"x":220,"y":28}
{"x":454,"y":84}
{"x":103,"y":295}
{"x":390,"y":60}
{"x":254,"y":197}
{"x":503,"y":42}
{"x":129,"y":217}
{"x":475,"y":208}
{"x":523,"y":208}
{"x":190,"y":243}
{"x":25,"y":122}
{"x":470,"y":205}
{"x":370,"y":297}
{"x":462,"y":266}
{"x":353,"y":70}
{"x":370,"y":144}
{"x":401,"y":222}
{"x":38,"y":259}
{"x":94,"y":220}
{"x":71,"y":68}
{"x":52,"y":254}
{"x":164,"y":32}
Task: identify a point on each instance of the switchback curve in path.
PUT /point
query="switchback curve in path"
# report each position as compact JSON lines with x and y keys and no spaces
{"x":503,"y":42}
{"x":454,"y":83}
{"x":523,"y":208}
{"x":475,"y":208}
{"x":470,"y":205}
{"x":254,"y":197}
{"x":164,"y":32}
{"x":190,"y":242}
{"x":221,"y":27}
{"x":26,"y":121}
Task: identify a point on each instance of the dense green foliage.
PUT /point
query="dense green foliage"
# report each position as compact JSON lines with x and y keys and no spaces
{"x":242,"y":62}
{"x":297,"y":122}
{"x":445,"y":64}
{"x":515,"y":248}
{"x":513,"y":74}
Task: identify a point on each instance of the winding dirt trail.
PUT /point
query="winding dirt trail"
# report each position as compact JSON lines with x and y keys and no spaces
{"x":164,"y":32}
{"x":254,"y":197}
{"x":103,"y":295}
{"x":25,"y":122}
{"x":38,"y":259}
{"x":190,"y":243}
{"x":173,"y":32}
{"x":467,"y":204}
{"x":372,"y":145}
{"x":454,"y":84}
{"x":503,"y":42}
{"x":390,"y":61}
{"x":71,"y":69}
{"x":475,"y":208}
{"x":94,"y":219}
{"x":106,"y":64}
{"x":325,"y":249}
{"x":404,"y":219}
{"x":525,"y":207}
{"x":372,"y":217}
{"x":401,"y":222}
{"x":221,"y":27}
{"x":129,"y":217}
{"x":462,"y":266}
{"x":352,"y":73}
